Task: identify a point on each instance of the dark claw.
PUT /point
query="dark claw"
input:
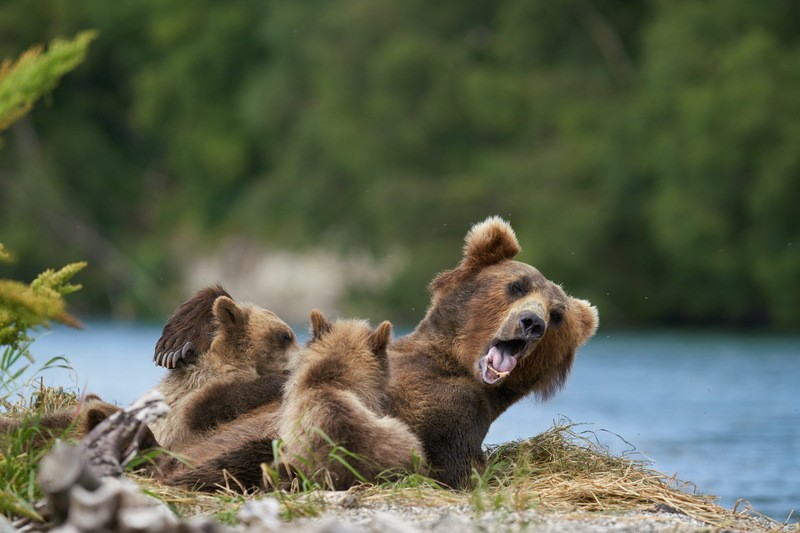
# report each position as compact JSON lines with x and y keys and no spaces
{"x":187,"y":349}
{"x":171,"y":359}
{"x":193,"y":320}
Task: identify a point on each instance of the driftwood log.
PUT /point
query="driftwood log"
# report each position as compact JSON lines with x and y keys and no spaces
{"x":84,"y":485}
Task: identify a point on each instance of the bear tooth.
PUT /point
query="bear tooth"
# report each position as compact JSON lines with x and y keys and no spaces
{"x":498,"y":373}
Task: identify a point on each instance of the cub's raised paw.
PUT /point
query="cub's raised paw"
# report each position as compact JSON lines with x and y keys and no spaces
{"x":185,"y":355}
{"x":188,"y":333}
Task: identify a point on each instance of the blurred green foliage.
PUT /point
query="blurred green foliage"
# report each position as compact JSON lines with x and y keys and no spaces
{"x":645,"y":152}
{"x":35,"y":73}
{"x":25,"y":307}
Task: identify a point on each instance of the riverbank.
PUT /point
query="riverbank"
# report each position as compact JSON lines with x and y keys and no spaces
{"x":560,"y":480}
{"x":381,"y":510}
{"x":382,"y":517}
{"x":557,"y":481}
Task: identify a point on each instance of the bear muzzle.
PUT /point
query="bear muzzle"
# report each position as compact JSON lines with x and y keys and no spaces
{"x":519,"y":334}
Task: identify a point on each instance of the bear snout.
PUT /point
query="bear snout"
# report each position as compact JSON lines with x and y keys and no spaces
{"x":524,"y":322}
{"x":531,"y":325}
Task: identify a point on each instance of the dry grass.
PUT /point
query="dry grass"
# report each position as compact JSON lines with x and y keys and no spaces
{"x":39,"y":399}
{"x":222,"y":505}
{"x":566,"y":471}
{"x":560,"y":471}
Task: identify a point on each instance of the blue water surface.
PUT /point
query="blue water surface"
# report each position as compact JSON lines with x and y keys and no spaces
{"x":719,"y":410}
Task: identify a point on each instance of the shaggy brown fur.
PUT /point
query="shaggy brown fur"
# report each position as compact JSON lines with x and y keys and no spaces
{"x":232,"y":453}
{"x":190,"y":330}
{"x":336,"y":397}
{"x":336,"y":394}
{"x":244,"y":367}
{"x":496,"y":331}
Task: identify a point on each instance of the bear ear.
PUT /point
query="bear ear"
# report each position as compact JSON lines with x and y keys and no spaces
{"x":229,"y":315}
{"x":94,"y":417}
{"x":486,"y":243}
{"x":319,"y":324}
{"x":585,"y":318}
{"x":580,"y":323}
{"x":489,"y":242}
{"x":379,"y":339}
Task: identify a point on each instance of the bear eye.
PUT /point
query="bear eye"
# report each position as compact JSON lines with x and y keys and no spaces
{"x":517,"y":289}
{"x":556,"y":317}
{"x":284,"y":338}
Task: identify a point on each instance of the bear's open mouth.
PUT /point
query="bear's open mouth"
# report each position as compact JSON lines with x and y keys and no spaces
{"x":501,"y":359}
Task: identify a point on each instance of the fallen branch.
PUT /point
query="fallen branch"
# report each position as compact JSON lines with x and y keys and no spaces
{"x":84,"y":485}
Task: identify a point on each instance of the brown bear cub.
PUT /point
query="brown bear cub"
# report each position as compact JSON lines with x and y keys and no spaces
{"x":241,"y":367}
{"x":333,"y":419}
{"x":74,"y":421}
{"x":334,"y":401}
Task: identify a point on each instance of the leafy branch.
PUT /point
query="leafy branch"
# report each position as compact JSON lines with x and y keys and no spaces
{"x":36,"y":72}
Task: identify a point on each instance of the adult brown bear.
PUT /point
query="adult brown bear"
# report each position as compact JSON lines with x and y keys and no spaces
{"x":496,"y":331}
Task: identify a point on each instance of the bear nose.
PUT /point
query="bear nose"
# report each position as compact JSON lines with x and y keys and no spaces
{"x":531,"y":325}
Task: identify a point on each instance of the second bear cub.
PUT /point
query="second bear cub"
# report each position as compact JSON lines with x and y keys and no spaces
{"x":333,"y":419}
{"x":243,"y":368}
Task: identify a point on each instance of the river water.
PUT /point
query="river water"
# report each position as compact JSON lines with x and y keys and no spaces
{"x":719,"y":410}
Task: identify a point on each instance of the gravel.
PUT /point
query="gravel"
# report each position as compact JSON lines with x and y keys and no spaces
{"x":345,"y":516}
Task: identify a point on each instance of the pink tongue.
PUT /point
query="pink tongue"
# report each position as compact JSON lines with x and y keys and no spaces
{"x":500,"y":362}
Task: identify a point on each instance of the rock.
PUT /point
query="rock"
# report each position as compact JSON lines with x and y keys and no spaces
{"x":262,"y":515}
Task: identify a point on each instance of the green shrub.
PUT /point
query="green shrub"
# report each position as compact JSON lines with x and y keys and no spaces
{"x":24,"y":308}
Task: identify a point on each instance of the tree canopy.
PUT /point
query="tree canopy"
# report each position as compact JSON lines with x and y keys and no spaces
{"x":645,"y":152}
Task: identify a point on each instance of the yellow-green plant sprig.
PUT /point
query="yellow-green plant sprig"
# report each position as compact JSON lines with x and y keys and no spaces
{"x":36,"y":72}
{"x":23,"y":307}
